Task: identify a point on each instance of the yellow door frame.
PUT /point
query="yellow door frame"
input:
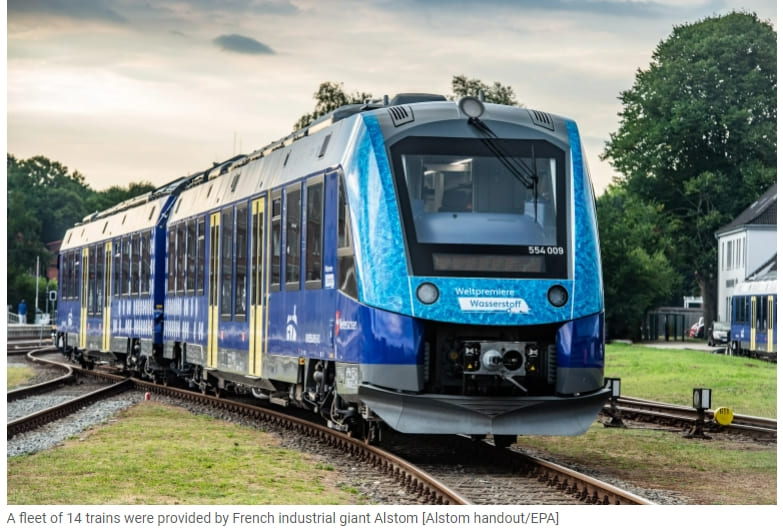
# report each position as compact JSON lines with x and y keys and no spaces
{"x":214,"y":290}
{"x":753,"y":313}
{"x":257,"y":313}
{"x":107,"y":278}
{"x":85,"y":292}
{"x":770,"y":323}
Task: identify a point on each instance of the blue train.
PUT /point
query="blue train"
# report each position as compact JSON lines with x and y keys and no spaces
{"x":415,"y":263}
{"x":754,"y":320}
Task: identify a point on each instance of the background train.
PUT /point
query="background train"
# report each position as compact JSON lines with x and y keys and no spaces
{"x":754,"y":316}
{"x":427,"y":265}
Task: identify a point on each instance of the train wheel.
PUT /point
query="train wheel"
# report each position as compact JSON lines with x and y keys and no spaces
{"x":373,"y":431}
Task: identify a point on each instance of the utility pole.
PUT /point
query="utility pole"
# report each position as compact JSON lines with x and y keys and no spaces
{"x":37,"y":259}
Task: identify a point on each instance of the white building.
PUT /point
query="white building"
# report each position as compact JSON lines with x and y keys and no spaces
{"x":744,"y":246}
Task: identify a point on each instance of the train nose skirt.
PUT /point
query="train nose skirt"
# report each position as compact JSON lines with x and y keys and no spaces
{"x":471,"y":415}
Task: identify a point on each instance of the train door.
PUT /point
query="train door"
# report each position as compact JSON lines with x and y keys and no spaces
{"x":770,"y":323}
{"x":84,"y":298}
{"x":257,"y":289}
{"x":753,"y":314}
{"x":107,"y":276}
{"x":214,"y":290}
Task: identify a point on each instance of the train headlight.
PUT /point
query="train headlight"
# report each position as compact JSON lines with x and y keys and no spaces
{"x":471,"y":107}
{"x":427,"y":292}
{"x":557,"y":295}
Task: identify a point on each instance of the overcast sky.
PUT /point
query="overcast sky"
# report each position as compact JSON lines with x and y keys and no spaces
{"x":125,"y":90}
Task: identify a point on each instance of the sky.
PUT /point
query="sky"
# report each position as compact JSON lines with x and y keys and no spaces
{"x":128,"y":91}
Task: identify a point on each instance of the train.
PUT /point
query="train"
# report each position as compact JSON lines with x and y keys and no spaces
{"x":410,"y":263}
{"x":753,"y":328}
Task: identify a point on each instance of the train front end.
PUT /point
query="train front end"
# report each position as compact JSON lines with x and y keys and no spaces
{"x":479,"y":295}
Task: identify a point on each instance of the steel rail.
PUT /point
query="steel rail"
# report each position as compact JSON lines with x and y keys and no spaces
{"x":59,"y":411}
{"x":661,"y":412}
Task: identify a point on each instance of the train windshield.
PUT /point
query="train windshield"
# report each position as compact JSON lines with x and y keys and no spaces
{"x":491,"y":209}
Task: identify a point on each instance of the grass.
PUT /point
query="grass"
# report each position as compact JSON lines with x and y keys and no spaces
{"x":189,"y":460}
{"x":747,"y":386}
{"x":18,"y":376}
{"x":701,"y":471}
{"x":714,"y":471}
{"x":201,"y":461}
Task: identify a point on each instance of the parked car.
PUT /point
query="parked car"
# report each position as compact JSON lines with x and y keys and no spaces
{"x":719,"y":333}
{"x":697,"y":328}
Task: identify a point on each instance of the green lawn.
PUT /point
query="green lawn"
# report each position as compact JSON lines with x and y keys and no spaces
{"x":157,"y":454}
{"x":747,"y":386}
{"x":700,"y":471}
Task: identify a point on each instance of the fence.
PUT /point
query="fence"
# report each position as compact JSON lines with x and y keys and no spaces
{"x":670,"y":323}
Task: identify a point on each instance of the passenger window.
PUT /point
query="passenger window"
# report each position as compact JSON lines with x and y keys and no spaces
{"x":117,"y":250}
{"x":314,"y":244}
{"x":126,"y":266}
{"x":346,"y":279}
{"x":200,"y":256}
{"x":240,"y":295}
{"x":99,"y":277}
{"x":171,"y":256}
{"x":179,"y":284}
{"x":277,"y":241}
{"x":227,"y":226}
{"x":293,"y":236}
{"x":190,"y":261}
{"x":91,"y":281}
{"x":146,"y":273}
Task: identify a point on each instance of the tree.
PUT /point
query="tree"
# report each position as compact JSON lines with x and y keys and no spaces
{"x":44,"y":201}
{"x":638,"y":276}
{"x":329,"y":97}
{"x":698,"y":134}
{"x":114,"y":195}
{"x":495,"y":93}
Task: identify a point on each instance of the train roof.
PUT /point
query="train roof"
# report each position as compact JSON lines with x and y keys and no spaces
{"x":318,"y":148}
{"x":132,"y":217}
{"x":301,"y":153}
{"x":764,"y":280}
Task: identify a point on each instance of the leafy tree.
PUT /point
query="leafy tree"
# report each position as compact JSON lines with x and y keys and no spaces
{"x":495,"y":93}
{"x":45,"y":200}
{"x":24,"y":227}
{"x":114,"y":195}
{"x":638,"y":276}
{"x":54,"y":196}
{"x":329,"y":97}
{"x":697,"y":134}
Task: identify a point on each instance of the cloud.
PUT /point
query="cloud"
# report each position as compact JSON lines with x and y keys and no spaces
{"x":241,"y":44}
{"x":614,"y":8}
{"x":81,"y":10}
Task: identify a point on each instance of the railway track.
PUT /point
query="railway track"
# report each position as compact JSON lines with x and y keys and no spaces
{"x":451,"y":484}
{"x":684,"y":417}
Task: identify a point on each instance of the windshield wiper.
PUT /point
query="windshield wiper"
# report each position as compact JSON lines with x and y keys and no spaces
{"x":527,"y":175}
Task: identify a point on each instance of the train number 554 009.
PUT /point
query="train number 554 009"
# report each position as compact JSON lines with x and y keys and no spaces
{"x":541,"y":249}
